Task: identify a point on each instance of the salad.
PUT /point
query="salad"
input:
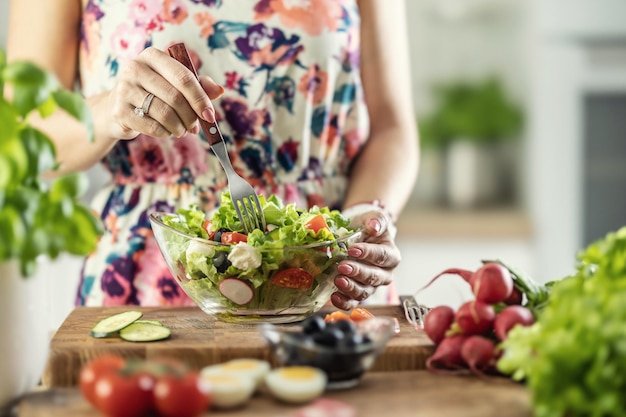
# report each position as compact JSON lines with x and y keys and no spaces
{"x":287,"y":266}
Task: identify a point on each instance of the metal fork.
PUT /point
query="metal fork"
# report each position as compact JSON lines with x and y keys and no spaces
{"x":245,"y":199}
{"x":414,"y":312}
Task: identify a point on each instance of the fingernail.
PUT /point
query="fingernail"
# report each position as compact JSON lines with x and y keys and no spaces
{"x":195,"y":129}
{"x":222,"y":91}
{"x":345,"y":269}
{"x":374,"y":224}
{"x":209,"y":115}
{"x":342,"y":283}
{"x":355,"y":252}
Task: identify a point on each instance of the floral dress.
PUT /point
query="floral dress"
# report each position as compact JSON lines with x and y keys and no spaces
{"x":293,"y":118}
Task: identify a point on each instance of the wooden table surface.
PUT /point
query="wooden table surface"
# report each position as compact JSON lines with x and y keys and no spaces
{"x":200,"y":340}
{"x":397,"y":394}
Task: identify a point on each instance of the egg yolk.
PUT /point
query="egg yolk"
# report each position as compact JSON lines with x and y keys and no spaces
{"x":298,"y":373}
{"x":240,"y":365}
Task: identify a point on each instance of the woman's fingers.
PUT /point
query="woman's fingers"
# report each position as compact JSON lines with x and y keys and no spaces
{"x":179,"y":97}
{"x":213,"y":89}
{"x":182,"y":80}
{"x":343,"y":302}
{"x":383,"y":254}
{"x":371,"y":266}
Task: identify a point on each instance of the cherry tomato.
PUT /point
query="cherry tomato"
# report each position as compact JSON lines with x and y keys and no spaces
{"x":96,"y":368}
{"x":122,"y":394}
{"x":317,"y":223}
{"x":181,"y":396}
{"x":206,"y":225}
{"x":360,"y":313}
{"x":336,"y":316}
{"x":296,"y":278}
{"x":234,"y":237}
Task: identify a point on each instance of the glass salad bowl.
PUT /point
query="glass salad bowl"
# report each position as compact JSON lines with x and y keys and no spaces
{"x":246,"y":282}
{"x":344,"y":350}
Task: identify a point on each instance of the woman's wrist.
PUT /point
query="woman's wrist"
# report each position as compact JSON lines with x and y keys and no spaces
{"x":357,"y":209}
{"x":369,"y":205}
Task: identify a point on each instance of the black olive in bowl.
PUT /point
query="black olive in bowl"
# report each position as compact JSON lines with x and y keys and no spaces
{"x":344,"y":350}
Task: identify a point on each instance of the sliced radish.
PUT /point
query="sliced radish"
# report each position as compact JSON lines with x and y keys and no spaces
{"x":236,"y":290}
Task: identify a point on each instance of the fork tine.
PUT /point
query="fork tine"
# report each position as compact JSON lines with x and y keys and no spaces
{"x":242,"y":218}
{"x":256,"y":212}
{"x":252,"y":217}
{"x":259,"y":212}
{"x":248,"y":213}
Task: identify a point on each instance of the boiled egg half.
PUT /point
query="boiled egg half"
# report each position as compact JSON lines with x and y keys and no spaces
{"x":296,"y":384}
{"x":253,"y":369}
{"x":228,"y":390}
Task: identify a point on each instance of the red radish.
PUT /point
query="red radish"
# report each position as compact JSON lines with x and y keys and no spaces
{"x":516,"y":297}
{"x":475,"y":317}
{"x":492,"y":283}
{"x":509,"y":318}
{"x":437,"y":323}
{"x":478,"y":353}
{"x":463,"y":273}
{"x":236,"y":290}
{"x":447,"y":356}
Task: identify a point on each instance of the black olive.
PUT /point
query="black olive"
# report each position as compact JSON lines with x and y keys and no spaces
{"x":221,"y":262}
{"x":313,"y":324}
{"x":366,"y":340}
{"x":330,"y":336}
{"x":217,"y":237}
{"x":352,"y":340}
{"x":346,"y":326}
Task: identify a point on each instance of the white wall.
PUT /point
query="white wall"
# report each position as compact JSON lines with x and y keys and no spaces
{"x":476,"y":43}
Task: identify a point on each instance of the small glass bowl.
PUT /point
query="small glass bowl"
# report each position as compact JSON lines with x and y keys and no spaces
{"x":344,"y":365}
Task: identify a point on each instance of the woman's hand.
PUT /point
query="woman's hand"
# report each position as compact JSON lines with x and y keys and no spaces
{"x":371,"y":262}
{"x":179,"y":99}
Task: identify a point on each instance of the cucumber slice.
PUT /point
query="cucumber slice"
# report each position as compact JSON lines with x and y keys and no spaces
{"x":144,"y":332}
{"x":155,"y":322}
{"x":113,"y":324}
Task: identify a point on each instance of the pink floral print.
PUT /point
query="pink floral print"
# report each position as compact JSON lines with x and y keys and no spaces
{"x":292,"y":115}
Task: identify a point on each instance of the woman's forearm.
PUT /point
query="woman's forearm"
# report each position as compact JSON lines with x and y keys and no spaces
{"x":387,"y":169}
{"x":75,"y":152}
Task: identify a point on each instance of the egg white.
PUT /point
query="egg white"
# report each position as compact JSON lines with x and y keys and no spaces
{"x":296,"y":384}
{"x":254,"y":369}
{"x":228,"y":390}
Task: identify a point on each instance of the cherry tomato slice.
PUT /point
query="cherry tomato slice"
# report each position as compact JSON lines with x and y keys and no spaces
{"x":317,"y":223}
{"x":118,"y":394}
{"x":296,"y":278}
{"x":181,"y":396}
{"x":360,"y":313}
{"x":336,"y":316}
{"x":234,"y":237}
{"x":94,"y":370}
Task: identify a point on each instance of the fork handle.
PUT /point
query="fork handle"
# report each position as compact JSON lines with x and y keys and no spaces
{"x":179,"y":52}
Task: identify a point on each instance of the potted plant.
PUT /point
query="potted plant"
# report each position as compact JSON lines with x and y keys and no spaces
{"x":470,"y":122}
{"x":39,"y":218}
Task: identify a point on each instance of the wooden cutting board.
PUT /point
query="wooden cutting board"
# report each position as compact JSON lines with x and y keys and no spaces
{"x":201,"y":340}
{"x":398,"y":394}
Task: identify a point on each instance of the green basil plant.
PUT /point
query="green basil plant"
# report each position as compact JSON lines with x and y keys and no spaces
{"x":39,"y":216}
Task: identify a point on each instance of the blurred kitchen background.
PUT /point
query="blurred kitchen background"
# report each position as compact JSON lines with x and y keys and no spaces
{"x":521,"y":106}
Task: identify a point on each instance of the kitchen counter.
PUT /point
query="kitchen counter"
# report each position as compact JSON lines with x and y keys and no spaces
{"x":398,"y":394}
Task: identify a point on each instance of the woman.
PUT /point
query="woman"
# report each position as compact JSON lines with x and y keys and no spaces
{"x":313,"y":98}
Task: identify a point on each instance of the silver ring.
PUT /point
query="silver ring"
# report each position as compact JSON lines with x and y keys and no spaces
{"x":143,"y":110}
